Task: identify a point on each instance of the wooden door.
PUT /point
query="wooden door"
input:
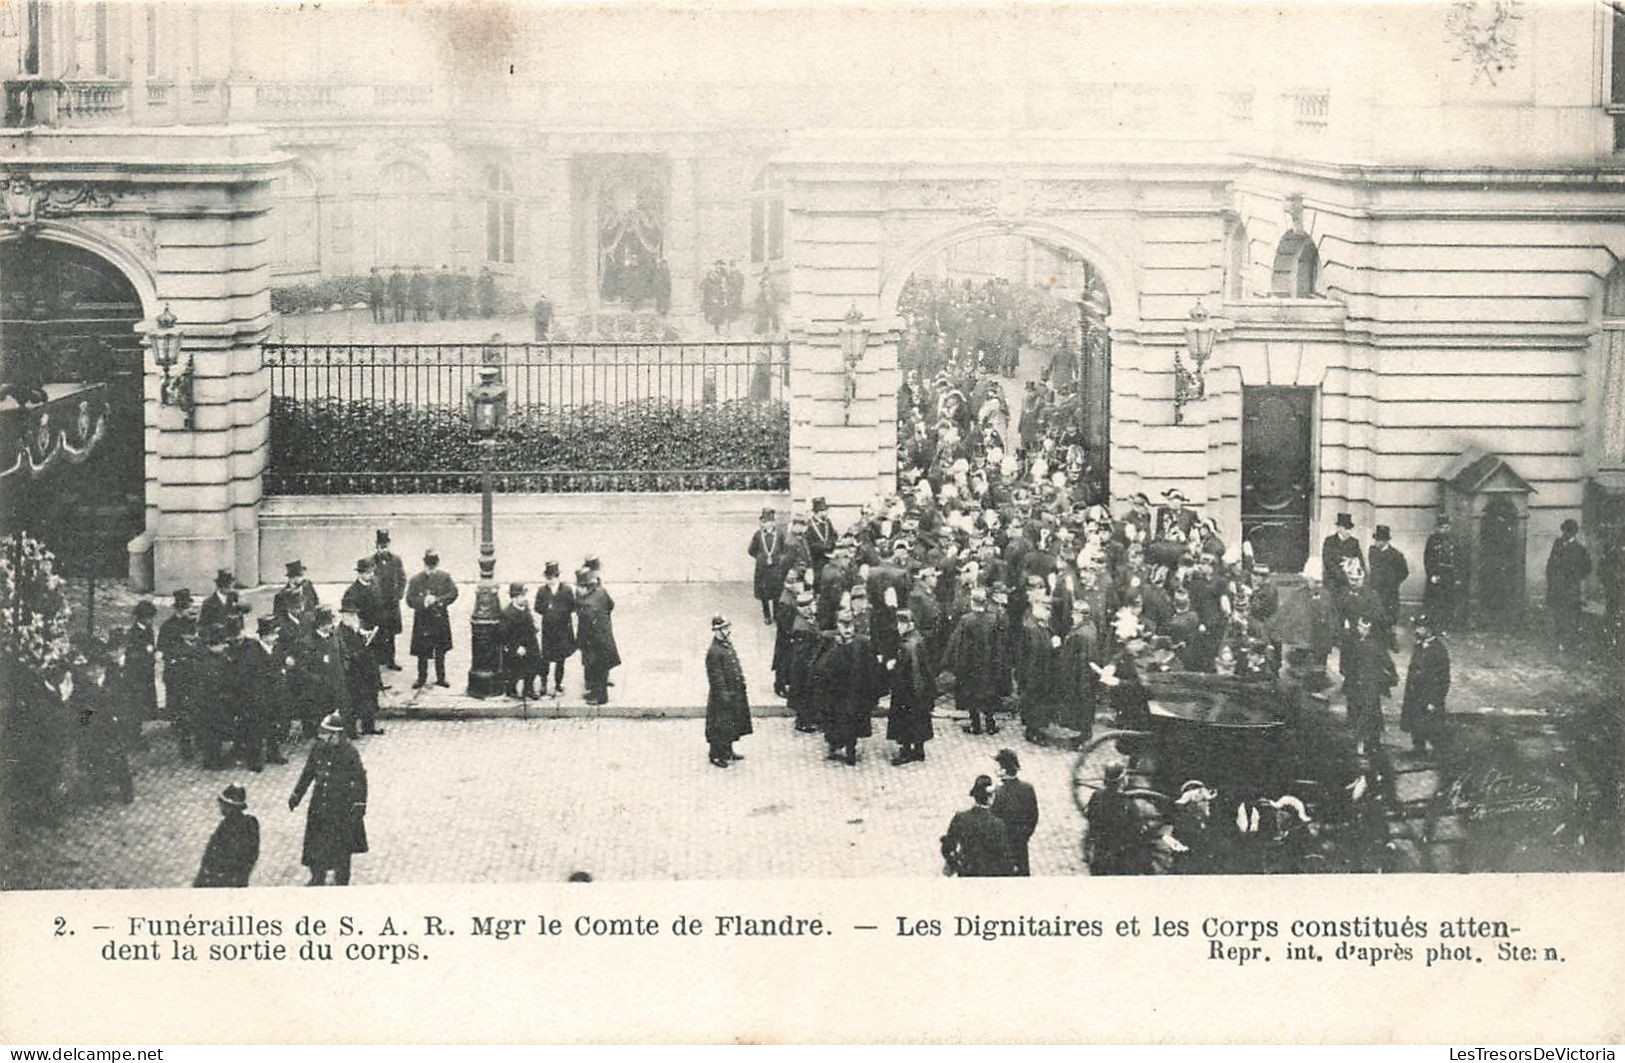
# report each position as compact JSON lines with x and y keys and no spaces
{"x":1277,"y":471}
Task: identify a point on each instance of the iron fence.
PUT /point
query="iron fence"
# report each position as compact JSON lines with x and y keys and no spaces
{"x":393,"y":418}
{"x":554,"y":375}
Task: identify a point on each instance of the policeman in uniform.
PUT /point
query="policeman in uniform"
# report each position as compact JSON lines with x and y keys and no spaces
{"x":234,"y":847}
{"x":1016,"y":806}
{"x":335,"y":825}
{"x":1439,"y":570}
{"x":727,"y":706}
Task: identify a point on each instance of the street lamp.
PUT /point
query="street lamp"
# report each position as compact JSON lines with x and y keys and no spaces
{"x":176,"y":388}
{"x":487,"y":411}
{"x":1189,"y":384}
{"x":854,"y":342}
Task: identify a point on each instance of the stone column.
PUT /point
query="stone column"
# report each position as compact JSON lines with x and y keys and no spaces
{"x":846,"y":453}
{"x":551,"y":209}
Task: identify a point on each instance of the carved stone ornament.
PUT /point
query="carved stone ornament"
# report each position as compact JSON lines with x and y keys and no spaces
{"x":977,"y":197}
{"x":27,"y":204}
{"x":1485,"y":33}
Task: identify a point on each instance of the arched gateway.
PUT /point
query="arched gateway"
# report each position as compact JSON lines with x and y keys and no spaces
{"x":1152,"y":232}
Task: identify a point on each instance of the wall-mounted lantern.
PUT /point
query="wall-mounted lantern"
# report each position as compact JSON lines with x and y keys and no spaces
{"x":1189,"y":383}
{"x":854,"y":342}
{"x":176,"y":388}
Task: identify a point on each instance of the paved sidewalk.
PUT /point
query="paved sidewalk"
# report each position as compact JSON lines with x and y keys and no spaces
{"x":662,"y":629}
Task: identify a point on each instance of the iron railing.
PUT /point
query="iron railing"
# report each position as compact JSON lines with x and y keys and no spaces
{"x":559,"y":376}
{"x":393,"y":418}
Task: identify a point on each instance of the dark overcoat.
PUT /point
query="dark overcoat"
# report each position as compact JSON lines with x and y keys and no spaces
{"x":389,"y":580}
{"x":232,"y":852}
{"x":727,"y":708}
{"x":431,"y":624}
{"x":977,"y":844}
{"x":844,"y":681}
{"x":1041,"y":687}
{"x":1427,"y":683}
{"x":519,"y":633}
{"x":769,"y":548}
{"x":335,"y":825}
{"x":364,"y":601}
{"x":557,"y":606}
{"x":1016,"y":805}
{"x":972,"y":657}
{"x":1566,"y":568}
{"x":1389,"y":570}
{"x":1368,"y":676}
{"x":596,"y":633}
{"x":913,"y":693}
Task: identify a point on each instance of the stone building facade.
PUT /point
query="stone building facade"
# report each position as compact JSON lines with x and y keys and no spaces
{"x":1405,"y":223}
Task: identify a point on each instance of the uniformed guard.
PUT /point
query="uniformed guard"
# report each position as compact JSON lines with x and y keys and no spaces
{"x":377,"y":292}
{"x":178,"y":646}
{"x":335,"y":825}
{"x":727,"y":705}
{"x":977,"y":844}
{"x":1427,"y":684}
{"x":420,"y":290}
{"x":399,"y":293}
{"x":234,"y":847}
{"x":595,"y":634}
{"x":1439,"y":570}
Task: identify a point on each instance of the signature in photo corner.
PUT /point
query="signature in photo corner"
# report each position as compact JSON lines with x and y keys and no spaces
{"x":1496,"y":792}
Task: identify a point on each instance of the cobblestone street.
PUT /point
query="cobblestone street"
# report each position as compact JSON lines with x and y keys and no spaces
{"x":515,"y":801}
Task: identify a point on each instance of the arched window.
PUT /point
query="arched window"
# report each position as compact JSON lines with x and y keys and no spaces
{"x":499,"y":214}
{"x":295,"y":223}
{"x":403,"y":210}
{"x":1237,"y":261}
{"x":766,"y":219}
{"x":1297,"y":267}
{"x":1613,"y":369}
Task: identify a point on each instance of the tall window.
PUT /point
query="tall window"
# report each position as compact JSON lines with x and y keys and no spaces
{"x":1613,"y":369}
{"x":766,"y":219}
{"x":1297,"y":267}
{"x":152,"y":40}
{"x":499,"y":214}
{"x":295,"y":223}
{"x":33,"y":27}
{"x":1237,"y":260}
{"x":1616,"y":87}
{"x":101,"y":37}
{"x":403,"y":235}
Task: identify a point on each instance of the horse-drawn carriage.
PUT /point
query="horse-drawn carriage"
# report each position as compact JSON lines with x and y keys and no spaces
{"x":1230,"y":775}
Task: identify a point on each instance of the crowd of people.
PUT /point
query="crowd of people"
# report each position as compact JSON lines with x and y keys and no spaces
{"x":244,"y":694}
{"x":425,"y":295}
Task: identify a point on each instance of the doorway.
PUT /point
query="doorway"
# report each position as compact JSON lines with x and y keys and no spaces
{"x":1277,"y":474}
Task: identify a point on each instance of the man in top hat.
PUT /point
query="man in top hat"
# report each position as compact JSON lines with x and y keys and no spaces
{"x":361,"y":598}
{"x":178,"y":646}
{"x":389,"y":582}
{"x":335,"y":825}
{"x":1016,"y":805}
{"x":429,"y":595}
{"x":521,"y":648}
{"x":262,"y":698}
{"x":727,"y":708}
{"x":821,"y":538}
{"x":218,"y":608}
{"x":141,"y":668}
{"x":767,"y":549}
{"x":913,"y":693}
{"x":234,"y":847}
{"x":325,"y":689}
{"x":1335,"y":552}
{"x":297,"y":596}
{"x":595,"y":635}
{"x":556,"y":606}
{"x":977,"y":845}
{"x":1567,"y":566}
{"x":1388,"y":571}
{"x":361,"y":678}
{"x":805,"y":645}
{"x":846,"y":683}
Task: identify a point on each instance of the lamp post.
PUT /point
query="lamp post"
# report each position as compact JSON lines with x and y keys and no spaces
{"x":487,"y":409}
{"x":854,"y":342}
{"x":1189,"y":384}
{"x":176,"y":387}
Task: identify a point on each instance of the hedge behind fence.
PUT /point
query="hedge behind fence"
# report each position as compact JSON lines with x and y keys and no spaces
{"x":343,"y":436}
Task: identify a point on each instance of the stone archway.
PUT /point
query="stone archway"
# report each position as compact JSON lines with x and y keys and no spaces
{"x":70,"y":312}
